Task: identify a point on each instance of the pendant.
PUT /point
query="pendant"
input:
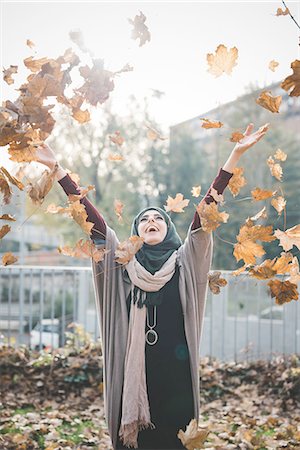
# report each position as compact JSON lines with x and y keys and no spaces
{"x":155,"y":337}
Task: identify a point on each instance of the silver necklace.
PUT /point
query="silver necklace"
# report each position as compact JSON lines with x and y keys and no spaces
{"x":151,"y":331}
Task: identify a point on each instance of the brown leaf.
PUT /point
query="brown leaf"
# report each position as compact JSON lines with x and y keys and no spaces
{"x":8,"y":258}
{"x":264,"y":270}
{"x":81,"y":116}
{"x":289,"y":237}
{"x":30,"y":43}
{"x":78,"y":213}
{"x":294,"y":271}
{"x":127,"y":249}
{"x":12,"y":179}
{"x":215,"y":282}
{"x":83,"y":193}
{"x":210,"y":217}
{"x":176,"y":204}
{"x":261,"y":194}
{"x":223,"y":61}
{"x":283,"y":264}
{"x":267,"y":101}
{"x":283,"y":291}
{"x":217,"y":197}
{"x":84,"y":249}
{"x":275,"y":168}
{"x":116,"y":138}
{"x":207,"y":123}
{"x":236,"y":136}
{"x":8,"y":74}
{"x":196,"y":191}
{"x":7,"y":217}
{"x":4,"y":230}
{"x":5,"y":189}
{"x":140,"y":30}
{"x":280,"y":155}
{"x":273,"y":64}
{"x":35,"y":65}
{"x":280,"y":12}
{"x":246,"y":248}
{"x":193,"y":438}
{"x":279,"y":204}
{"x":118,"y":205}
{"x":153,"y":134}
{"x":38,"y":191}
{"x":237,"y":181}
{"x":260,"y":215}
{"x":293,"y":81}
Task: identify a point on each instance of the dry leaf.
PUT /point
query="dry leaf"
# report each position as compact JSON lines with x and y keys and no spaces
{"x":116,"y":138}
{"x":140,"y":30}
{"x":192,"y":438}
{"x":275,"y":168}
{"x":246,"y":248}
{"x":176,"y":204}
{"x":83,"y":193}
{"x":209,"y":215}
{"x":280,"y":155}
{"x":237,"y":181}
{"x":215,"y":282}
{"x":84,"y":249}
{"x":5,"y":189}
{"x":241,"y":270}
{"x":8,"y":258}
{"x":127,"y":249}
{"x":264,"y":270}
{"x":196,"y":191}
{"x":236,"y":136}
{"x":273,"y":64}
{"x":279,"y":204}
{"x":38,"y":191}
{"x":118,"y":205}
{"x":153,"y":134}
{"x":217,"y":197}
{"x":78,"y":213}
{"x":35,"y":65}
{"x":223,"y":61}
{"x":267,"y":101}
{"x":30,"y":43}
{"x":8,"y":74}
{"x":261,"y":194}
{"x":81,"y":116}
{"x":283,"y":291}
{"x":207,"y":123}
{"x":7,"y":217}
{"x":289,"y":237}
{"x":260,"y":215}
{"x":294,"y":271}
{"x":4,"y":230}
{"x":293,"y":81}
{"x":280,"y":12}
{"x":12,"y":179}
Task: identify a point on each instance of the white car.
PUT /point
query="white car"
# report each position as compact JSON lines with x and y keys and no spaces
{"x":48,"y":332}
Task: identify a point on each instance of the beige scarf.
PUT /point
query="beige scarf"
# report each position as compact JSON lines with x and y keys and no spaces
{"x":135,"y":403}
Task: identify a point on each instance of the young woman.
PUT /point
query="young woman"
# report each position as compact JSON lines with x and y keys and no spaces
{"x":150,"y":315}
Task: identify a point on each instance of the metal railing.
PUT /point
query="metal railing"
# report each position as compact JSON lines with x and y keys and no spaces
{"x":37,"y":303}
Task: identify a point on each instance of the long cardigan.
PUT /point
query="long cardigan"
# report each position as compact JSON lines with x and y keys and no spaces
{"x":111,"y":290}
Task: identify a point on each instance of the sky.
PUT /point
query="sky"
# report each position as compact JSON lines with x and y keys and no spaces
{"x":174,"y":61}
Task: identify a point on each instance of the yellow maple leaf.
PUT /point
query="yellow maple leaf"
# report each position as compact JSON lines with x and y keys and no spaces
{"x":207,"y":123}
{"x":236,"y":136}
{"x":193,"y":438}
{"x":289,"y":237}
{"x":196,"y":191}
{"x":279,"y":204}
{"x":280,"y":155}
{"x":118,"y":205}
{"x":8,"y":258}
{"x":176,"y":204}
{"x":210,"y":217}
{"x":261,"y":194}
{"x":283,"y":291}
{"x":275,"y":168}
{"x":293,"y":81}
{"x":237,"y":181}
{"x":81,"y":116}
{"x":246,"y":248}
{"x":127,"y":249}
{"x":267,"y":101}
{"x":273,"y":64}
{"x":223,"y":61}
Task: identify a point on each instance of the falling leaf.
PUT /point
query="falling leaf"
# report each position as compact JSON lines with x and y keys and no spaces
{"x":284,"y":263}
{"x":267,"y":101}
{"x":140,"y":30}
{"x":294,"y":271}
{"x":283,"y":291}
{"x":279,"y":204}
{"x":280,"y":12}
{"x":207,"y":123}
{"x":78,"y":212}
{"x":240,"y":270}
{"x":275,"y":168}
{"x":210,"y":217}
{"x":280,"y":155}
{"x":38,"y":191}
{"x":115,"y":157}
{"x":289,"y":237}
{"x":4,"y":230}
{"x":264,"y":270}
{"x":30,"y":43}
{"x":35,"y":65}
{"x":247,"y":248}
{"x":8,"y":258}
{"x":260,"y":215}
{"x":12,"y":179}
{"x":293,"y":81}
{"x":118,"y":205}
{"x":84,"y":249}
{"x":215,"y":282}
{"x":217,"y":197}
{"x":196,"y":191}
{"x":261,"y":194}
{"x":83,"y":193}
{"x":176,"y":204}
{"x":192,"y":438}
{"x":81,"y":116}
{"x":273,"y":64}
{"x":8,"y":74}
{"x":153,"y":134}
{"x":117,"y":138}
{"x":5,"y":189}
{"x":237,"y":181}
{"x":127,"y":249}
{"x":223,"y":61}
{"x":236,"y":136}
{"x":7,"y":217}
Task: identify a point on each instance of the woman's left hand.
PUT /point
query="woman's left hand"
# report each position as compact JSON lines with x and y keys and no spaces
{"x":250,"y":138}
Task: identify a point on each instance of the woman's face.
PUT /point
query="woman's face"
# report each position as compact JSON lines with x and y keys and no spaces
{"x":152,"y":227}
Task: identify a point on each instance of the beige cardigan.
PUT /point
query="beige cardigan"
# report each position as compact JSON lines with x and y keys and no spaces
{"x":111,"y":291}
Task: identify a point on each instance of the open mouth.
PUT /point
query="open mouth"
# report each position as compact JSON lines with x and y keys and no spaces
{"x":151,"y":229}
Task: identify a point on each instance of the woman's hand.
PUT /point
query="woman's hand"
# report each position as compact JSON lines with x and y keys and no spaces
{"x":250,"y":138}
{"x":45,"y":155}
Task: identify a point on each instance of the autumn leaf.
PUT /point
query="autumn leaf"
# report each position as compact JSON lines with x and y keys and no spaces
{"x":192,"y":438}
{"x":279,"y":204}
{"x":35,"y":65}
{"x":12,"y":179}
{"x":7,"y":217}
{"x":284,"y":263}
{"x":81,"y":116}
{"x":273,"y":64}
{"x":115,"y":157}
{"x":30,"y":44}
{"x":215,"y":282}
{"x":78,"y":212}
{"x":264,"y":270}
{"x":240,"y":270}
{"x":5,"y":189}
{"x":8,"y":74}
{"x":153,"y":134}
{"x":217,"y":197}
{"x":116,"y":138}
{"x":281,"y":12}
{"x":294,"y":271}
{"x":140,"y":30}
{"x":84,"y":249}
{"x":267,"y":101}
{"x":275,"y":168}
{"x":210,"y":217}
{"x":223,"y":61}
{"x":283,"y":291}
{"x":260,"y":215}
{"x":118,"y":205}
{"x":207,"y":123}
{"x":4,"y":230}
{"x":236,"y":136}
{"x":289,"y":237}
{"x":237,"y":181}
{"x":246,"y":248}
{"x":293,"y":81}
{"x":8,"y":258}
{"x":127,"y":249}
{"x":280,"y":155}
{"x":176,"y":204}
{"x":196,"y":191}
{"x":38,"y":191}
{"x":83,"y":193}
{"x":261,"y":194}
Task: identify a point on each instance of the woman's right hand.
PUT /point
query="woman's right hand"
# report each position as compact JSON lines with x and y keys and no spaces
{"x":45,"y":155}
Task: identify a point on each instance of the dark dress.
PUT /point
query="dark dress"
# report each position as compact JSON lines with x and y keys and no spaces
{"x":168,"y":374}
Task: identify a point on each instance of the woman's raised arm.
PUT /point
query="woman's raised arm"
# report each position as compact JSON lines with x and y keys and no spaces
{"x":46,"y":156}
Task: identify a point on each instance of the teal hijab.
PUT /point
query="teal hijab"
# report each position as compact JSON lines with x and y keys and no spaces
{"x":153,"y":257}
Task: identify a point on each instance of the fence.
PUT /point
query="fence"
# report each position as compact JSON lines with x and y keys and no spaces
{"x":241,"y":323}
